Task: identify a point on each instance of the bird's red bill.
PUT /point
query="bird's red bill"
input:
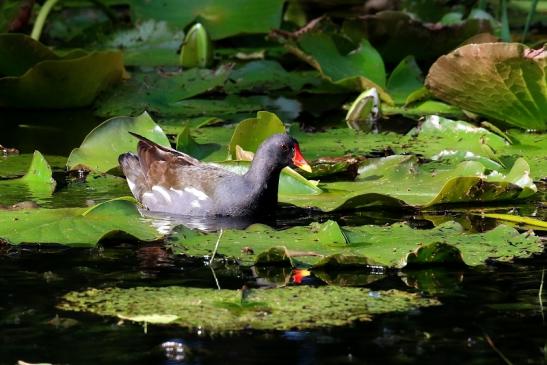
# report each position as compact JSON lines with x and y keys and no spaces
{"x":299,"y":161}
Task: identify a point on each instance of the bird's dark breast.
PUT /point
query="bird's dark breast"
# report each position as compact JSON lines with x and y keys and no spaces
{"x":242,"y":198}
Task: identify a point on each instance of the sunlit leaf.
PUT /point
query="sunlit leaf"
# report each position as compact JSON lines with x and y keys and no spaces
{"x":397,"y":245}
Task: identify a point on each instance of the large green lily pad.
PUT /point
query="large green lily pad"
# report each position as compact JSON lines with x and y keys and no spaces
{"x":100,"y":149}
{"x":401,"y":180}
{"x":231,"y":310}
{"x":221,"y":19}
{"x":327,"y":244}
{"x":159,"y":92}
{"x":265,"y":76}
{"x":503,"y":81}
{"x":77,"y":227}
{"x":34,"y":77}
{"x":150,"y":43}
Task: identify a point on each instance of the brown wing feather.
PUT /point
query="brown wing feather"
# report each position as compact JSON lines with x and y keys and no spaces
{"x":150,"y":152}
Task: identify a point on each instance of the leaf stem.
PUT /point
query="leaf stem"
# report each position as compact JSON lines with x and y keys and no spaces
{"x":216,"y":246}
{"x":41,"y":19}
{"x":531,"y":14}
{"x":505,"y":31}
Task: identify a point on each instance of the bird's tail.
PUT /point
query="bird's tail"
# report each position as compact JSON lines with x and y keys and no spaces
{"x":134,"y":174}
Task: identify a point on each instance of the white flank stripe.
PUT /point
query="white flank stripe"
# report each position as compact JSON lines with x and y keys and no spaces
{"x":163,"y":193}
{"x":197,"y":193}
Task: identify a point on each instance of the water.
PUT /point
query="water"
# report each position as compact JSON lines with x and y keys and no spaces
{"x":499,"y":302}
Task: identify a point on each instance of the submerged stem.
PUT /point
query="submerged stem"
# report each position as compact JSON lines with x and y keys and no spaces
{"x":41,"y":19}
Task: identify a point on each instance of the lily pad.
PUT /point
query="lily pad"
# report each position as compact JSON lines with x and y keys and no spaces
{"x":440,"y":138}
{"x":159,"y":92}
{"x":221,"y":19}
{"x":265,"y":76}
{"x":100,"y":149}
{"x":503,"y":81}
{"x":327,"y":244}
{"x":319,"y":46}
{"x":250,"y":133}
{"x":218,"y":311}
{"x":150,"y":43}
{"x":77,"y":227}
{"x":36,"y":184}
{"x":400,"y":180}
{"x":34,"y":77}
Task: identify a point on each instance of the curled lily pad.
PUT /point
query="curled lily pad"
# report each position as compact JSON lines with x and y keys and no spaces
{"x":330,"y":245}
{"x":218,"y":311}
{"x":503,"y":81}
{"x":36,"y":184}
{"x":79,"y":227}
{"x":100,"y":149}
{"x":34,"y":77}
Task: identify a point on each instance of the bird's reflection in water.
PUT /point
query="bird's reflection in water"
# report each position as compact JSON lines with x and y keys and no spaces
{"x":165,"y":222}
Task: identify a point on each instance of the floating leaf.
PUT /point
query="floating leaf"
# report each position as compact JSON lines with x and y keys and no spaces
{"x":327,"y":244}
{"x":267,"y":76}
{"x":503,"y":81}
{"x":225,"y":310}
{"x":36,"y":78}
{"x":320,"y":47}
{"x":158,"y":92}
{"x":400,"y":181}
{"x":150,"y":43}
{"x":100,"y":149}
{"x":79,"y":227}
{"x":440,"y":138}
{"x":221,"y":19}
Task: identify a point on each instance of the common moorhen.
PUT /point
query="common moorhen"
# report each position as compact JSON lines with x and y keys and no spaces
{"x":166,"y":180}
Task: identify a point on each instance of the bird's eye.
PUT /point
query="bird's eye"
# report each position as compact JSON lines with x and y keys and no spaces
{"x":284,"y":147}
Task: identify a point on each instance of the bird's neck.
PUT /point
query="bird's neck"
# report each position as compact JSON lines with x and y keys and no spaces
{"x":264,"y":179}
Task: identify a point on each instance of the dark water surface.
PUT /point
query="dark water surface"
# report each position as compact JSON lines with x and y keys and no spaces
{"x":499,"y":302}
